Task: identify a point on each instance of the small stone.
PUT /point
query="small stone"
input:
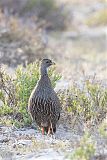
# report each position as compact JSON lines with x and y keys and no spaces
{"x":14,"y":145}
{"x":24,"y":142}
{"x":3,"y":139}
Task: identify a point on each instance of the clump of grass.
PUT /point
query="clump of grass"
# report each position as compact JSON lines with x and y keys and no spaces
{"x":15,"y":93}
{"x":86,"y":149}
{"x":6,"y":120}
{"x":99,"y":18}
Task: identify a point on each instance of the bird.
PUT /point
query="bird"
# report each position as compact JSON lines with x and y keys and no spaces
{"x":44,"y":105}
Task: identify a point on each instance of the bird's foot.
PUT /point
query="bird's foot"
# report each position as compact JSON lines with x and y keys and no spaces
{"x":51,"y":133}
{"x":51,"y":136}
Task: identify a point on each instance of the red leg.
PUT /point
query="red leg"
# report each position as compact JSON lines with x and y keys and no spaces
{"x":43,"y":132}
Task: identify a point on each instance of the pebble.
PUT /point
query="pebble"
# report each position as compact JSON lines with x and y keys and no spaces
{"x":3,"y":139}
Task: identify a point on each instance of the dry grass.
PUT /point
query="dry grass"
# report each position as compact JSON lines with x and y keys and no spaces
{"x":98,"y":19}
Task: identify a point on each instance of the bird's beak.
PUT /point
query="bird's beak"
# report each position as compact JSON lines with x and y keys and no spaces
{"x":53,"y":63}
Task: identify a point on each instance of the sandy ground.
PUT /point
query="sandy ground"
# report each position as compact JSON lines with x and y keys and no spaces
{"x":29,"y":144}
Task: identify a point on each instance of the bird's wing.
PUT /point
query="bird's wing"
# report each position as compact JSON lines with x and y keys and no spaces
{"x":39,"y":108}
{"x":44,"y":107}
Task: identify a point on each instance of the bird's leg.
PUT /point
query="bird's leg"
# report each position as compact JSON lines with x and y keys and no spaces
{"x":52,"y":129}
{"x":49,"y":130}
{"x":50,"y":133}
{"x":43,"y":132}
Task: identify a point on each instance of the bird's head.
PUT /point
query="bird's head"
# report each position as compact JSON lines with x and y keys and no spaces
{"x":45,"y":63}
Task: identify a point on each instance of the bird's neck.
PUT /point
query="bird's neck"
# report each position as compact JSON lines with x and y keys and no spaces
{"x":43,"y":72}
{"x":44,"y":79}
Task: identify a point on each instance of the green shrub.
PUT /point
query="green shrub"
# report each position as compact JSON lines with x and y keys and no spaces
{"x":86,"y":149}
{"x":5,"y":110}
{"x":15,"y":91}
{"x":87,"y":104}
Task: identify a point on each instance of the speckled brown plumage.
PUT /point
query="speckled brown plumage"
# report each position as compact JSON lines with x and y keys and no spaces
{"x":44,"y":105}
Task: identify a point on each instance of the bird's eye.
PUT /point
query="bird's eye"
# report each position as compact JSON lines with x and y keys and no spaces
{"x":47,"y":62}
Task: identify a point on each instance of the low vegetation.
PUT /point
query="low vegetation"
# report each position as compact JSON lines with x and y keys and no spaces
{"x":38,"y":10}
{"x":19,"y":45}
{"x":87,"y":104}
{"x":84,"y":109}
{"x":98,"y":19}
{"x":86,"y":149}
{"x":15,"y":92}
